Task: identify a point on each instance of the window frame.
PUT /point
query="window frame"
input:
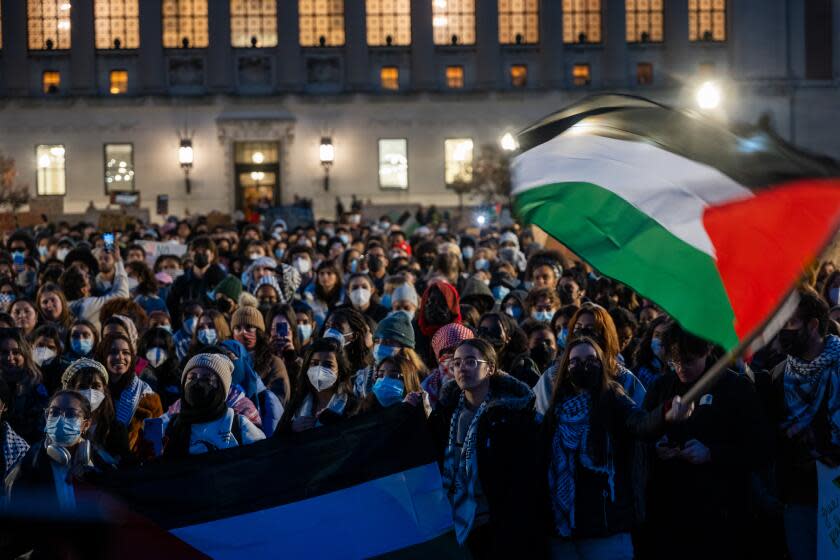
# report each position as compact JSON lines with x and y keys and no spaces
{"x":110,"y":18}
{"x":252,"y":34}
{"x":178,"y":22}
{"x":586,"y":12}
{"x":650,"y":12}
{"x":105,"y":167}
{"x":525,"y":13}
{"x":463,"y":77}
{"x":639,"y":65}
{"x":111,"y":80}
{"x":395,"y":14}
{"x":460,"y":26}
{"x":588,"y":67}
{"x":38,"y":170}
{"x":510,"y":75}
{"x":43,"y":47}
{"x":381,"y":81}
{"x":43,"y":82}
{"x":314,"y":16}
{"x":701,"y":38}
{"x":379,"y":164}
{"x":472,"y":157}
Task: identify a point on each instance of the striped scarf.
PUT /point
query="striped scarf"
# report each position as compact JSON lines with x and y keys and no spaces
{"x":130,"y":397}
{"x":569,"y":447}
{"x":460,"y":470}
{"x":809,"y":384}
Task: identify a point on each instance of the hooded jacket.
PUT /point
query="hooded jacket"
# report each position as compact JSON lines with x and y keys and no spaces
{"x":509,"y":475}
{"x":477,"y":294}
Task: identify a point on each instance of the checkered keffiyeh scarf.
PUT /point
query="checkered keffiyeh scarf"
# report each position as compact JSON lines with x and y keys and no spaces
{"x":460,"y":470}
{"x":448,"y":336}
{"x":569,"y":447}
{"x":810,"y":384}
{"x":14,"y":448}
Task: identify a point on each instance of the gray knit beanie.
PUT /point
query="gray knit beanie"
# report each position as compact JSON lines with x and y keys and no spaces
{"x":218,"y":363}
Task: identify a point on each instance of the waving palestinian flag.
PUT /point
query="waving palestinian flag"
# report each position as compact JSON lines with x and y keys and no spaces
{"x":715,"y":226}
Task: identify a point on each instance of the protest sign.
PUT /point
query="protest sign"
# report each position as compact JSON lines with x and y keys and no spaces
{"x":155,"y":249}
{"x":828,"y":512}
{"x":113,"y":221}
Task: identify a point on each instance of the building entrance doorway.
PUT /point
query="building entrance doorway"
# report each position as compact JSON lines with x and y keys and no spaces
{"x":257,"y":175}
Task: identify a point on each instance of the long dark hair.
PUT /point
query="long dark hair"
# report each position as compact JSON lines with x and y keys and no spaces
{"x":288,"y":312}
{"x":331,"y":298}
{"x":344,"y":383}
{"x":643,"y":356}
{"x":104,"y":349}
{"x":262,"y":354}
{"x":357,"y":352}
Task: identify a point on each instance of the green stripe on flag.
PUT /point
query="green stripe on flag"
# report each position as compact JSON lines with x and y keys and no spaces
{"x":626,"y":244}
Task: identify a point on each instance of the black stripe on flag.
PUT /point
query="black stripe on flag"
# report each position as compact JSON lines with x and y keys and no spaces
{"x":278,"y":471}
{"x":751,"y":156}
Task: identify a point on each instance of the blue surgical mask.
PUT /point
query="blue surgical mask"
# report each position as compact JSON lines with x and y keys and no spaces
{"x":304,"y":332}
{"x":499,"y":292}
{"x":337,"y":335}
{"x":388,"y":391}
{"x":189,"y":324}
{"x":43,"y":250}
{"x":81,"y":346}
{"x":542,"y":316}
{"x":386,"y":301}
{"x":514,"y":311}
{"x":561,"y":337}
{"x":167,"y":328}
{"x":657,"y":348}
{"x":481,"y":264}
{"x":354,"y":266}
{"x":382,"y":351}
{"x":280,"y":252}
{"x":344,"y":238}
{"x":64,"y":432}
{"x":468,"y":252}
{"x":207,"y":336}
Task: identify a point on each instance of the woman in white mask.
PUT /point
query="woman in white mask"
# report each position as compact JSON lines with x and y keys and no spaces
{"x":163,"y":372}
{"x":47,"y":355}
{"x":52,"y":465}
{"x":90,"y":379}
{"x":325,"y":394}
{"x":362,"y":296}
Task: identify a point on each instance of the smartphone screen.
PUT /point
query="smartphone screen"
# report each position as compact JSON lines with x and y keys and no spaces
{"x":283,"y":330}
{"x":109,"y":242}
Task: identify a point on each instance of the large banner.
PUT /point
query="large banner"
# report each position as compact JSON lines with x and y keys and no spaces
{"x":369,"y":486}
{"x":828,"y":513}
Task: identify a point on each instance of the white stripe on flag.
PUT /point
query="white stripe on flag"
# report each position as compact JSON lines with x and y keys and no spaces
{"x":368,"y":519}
{"x":671,"y":189}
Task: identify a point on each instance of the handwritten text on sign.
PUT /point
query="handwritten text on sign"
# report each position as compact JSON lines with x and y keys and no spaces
{"x":828,"y":513}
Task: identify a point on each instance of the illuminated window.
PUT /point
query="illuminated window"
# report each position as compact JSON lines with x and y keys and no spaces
{"x":388,"y":22}
{"x":389,"y":77}
{"x":706,"y":20}
{"x":454,"y":77}
{"x":119,"y":82}
{"x":48,"y":24}
{"x":321,"y":23}
{"x":581,"y":21}
{"x":51,"y":81}
{"x":644,"y":73}
{"x":393,"y":163}
{"x":458,"y":160}
{"x":50,"y":158}
{"x":453,"y":22}
{"x":580,"y":74}
{"x":253,"y":23}
{"x":519,"y":22}
{"x":644,"y":21}
{"x":185,"y":24}
{"x":119,"y":167}
{"x":519,"y":75}
{"x":116,"y":24}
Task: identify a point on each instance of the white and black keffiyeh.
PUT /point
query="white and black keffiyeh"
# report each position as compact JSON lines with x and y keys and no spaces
{"x":14,"y":448}
{"x":810,"y":384}
{"x":569,"y":447}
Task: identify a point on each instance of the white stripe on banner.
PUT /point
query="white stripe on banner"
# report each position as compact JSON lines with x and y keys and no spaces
{"x":671,"y":189}
{"x":371,"y":518}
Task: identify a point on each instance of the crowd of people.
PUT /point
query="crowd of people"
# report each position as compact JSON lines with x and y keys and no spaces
{"x":551,"y":393}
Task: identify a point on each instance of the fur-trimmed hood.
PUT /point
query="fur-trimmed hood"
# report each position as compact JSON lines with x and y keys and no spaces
{"x":505,"y":390}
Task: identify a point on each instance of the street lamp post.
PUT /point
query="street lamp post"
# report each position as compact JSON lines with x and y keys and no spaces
{"x":326,"y":153}
{"x":185,"y":158}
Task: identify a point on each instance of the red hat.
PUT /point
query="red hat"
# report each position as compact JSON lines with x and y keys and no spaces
{"x":403,"y":246}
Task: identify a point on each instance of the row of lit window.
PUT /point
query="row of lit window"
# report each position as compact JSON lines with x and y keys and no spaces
{"x":389,"y":78}
{"x":50,"y":161}
{"x":253,"y":23}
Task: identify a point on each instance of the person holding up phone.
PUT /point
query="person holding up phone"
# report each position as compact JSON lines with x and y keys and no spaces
{"x":84,"y":304}
{"x":107,"y":265}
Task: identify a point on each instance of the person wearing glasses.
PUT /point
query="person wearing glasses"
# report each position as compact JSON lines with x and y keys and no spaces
{"x":486,"y":431}
{"x":63,"y":456}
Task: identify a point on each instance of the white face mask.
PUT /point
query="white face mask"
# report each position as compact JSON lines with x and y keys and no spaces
{"x":42,"y":355}
{"x":93,"y":396}
{"x":302,"y":265}
{"x":133,"y":283}
{"x":156,"y":356}
{"x":61,"y":254}
{"x":360,"y":297}
{"x":321,"y":377}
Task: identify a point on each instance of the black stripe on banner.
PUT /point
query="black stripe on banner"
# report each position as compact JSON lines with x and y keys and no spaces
{"x":751,"y":156}
{"x":277,"y":471}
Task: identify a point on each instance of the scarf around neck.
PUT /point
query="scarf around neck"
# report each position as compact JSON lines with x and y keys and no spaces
{"x":570,"y":445}
{"x":810,"y":384}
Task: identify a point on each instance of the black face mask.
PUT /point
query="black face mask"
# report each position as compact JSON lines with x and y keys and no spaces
{"x":374,"y":263}
{"x":426,"y":261}
{"x":586,"y":375}
{"x":437,"y":315}
{"x":224,"y":305}
{"x":793,"y":341}
{"x":264,"y":308}
{"x":200,"y":395}
{"x":201,"y":259}
{"x":543,"y":354}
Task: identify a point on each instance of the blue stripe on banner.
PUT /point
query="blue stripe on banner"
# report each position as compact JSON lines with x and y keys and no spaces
{"x":375,"y":517}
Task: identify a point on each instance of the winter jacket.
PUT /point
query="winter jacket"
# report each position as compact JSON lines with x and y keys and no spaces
{"x":478,"y":294}
{"x":88,"y":308}
{"x":597,"y":515}
{"x":188,"y":287}
{"x":729,"y":421}
{"x":629,"y":382}
{"x":509,"y":475}
{"x":221,"y":433}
